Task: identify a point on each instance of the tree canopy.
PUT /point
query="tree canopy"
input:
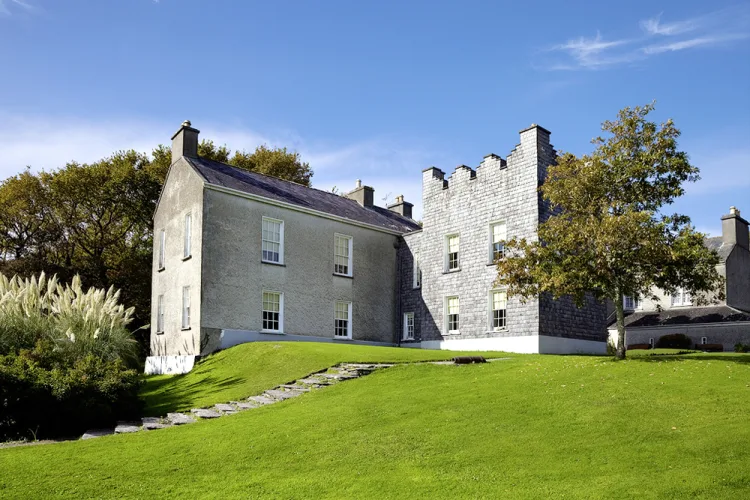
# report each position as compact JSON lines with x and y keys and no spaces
{"x":95,"y":220}
{"x":607,"y":233}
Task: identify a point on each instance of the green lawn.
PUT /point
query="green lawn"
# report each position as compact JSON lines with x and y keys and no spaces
{"x":529,"y":427}
{"x":249,"y":369}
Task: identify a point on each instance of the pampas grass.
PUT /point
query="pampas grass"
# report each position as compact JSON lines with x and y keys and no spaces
{"x":79,"y":322}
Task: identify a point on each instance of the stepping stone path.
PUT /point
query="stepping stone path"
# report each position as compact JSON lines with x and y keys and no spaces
{"x":315,"y":381}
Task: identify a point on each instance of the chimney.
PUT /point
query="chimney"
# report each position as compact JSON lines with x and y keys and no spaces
{"x":734,"y":229}
{"x":185,"y":142}
{"x":401,"y":207}
{"x":362,"y":194}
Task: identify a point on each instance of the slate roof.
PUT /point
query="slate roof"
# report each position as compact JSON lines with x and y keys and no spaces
{"x":221,"y":174}
{"x":716,"y":243}
{"x":685,"y":316}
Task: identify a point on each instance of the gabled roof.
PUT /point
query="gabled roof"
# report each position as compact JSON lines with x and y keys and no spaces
{"x":220,"y":174}
{"x":685,"y":316}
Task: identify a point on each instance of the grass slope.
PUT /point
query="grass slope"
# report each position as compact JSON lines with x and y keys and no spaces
{"x":529,"y":427}
{"x":249,"y":369}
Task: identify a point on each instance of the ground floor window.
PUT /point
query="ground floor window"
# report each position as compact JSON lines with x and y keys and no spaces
{"x":408,"y":326}
{"x":451,"y":314}
{"x":185,"y":307}
{"x":342,"y":325}
{"x":273,"y":311}
{"x":498,"y":301}
{"x":160,"y":314}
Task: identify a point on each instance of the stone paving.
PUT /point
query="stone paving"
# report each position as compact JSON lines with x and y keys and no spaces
{"x":316,"y":381}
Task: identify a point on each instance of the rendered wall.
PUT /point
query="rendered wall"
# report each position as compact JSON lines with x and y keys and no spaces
{"x":234,"y":277}
{"x":182,"y":193}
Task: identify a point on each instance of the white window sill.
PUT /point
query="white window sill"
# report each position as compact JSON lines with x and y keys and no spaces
{"x":343,"y":275}
{"x":187,"y":257}
{"x":342,"y":338}
{"x":273,"y":332}
{"x":160,"y":269}
{"x":160,"y":333}
{"x":273,"y":263}
{"x":185,"y":328}
{"x":454,"y":332}
{"x":448,"y":271}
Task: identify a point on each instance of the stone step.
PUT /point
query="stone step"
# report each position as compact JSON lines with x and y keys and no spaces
{"x":95,"y":433}
{"x":314,"y":381}
{"x":262,"y":399}
{"x":225,"y":408}
{"x":127,"y":427}
{"x":180,"y":418}
{"x":205,"y":413}
{"x":338,"y":376}
{"x":246,"y":405}
{"x":280,"y":395}
{"x":292,"y":387}
{"x":154,"y":423}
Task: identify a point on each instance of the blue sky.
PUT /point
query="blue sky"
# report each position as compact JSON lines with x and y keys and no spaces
{"x":376,"y":91}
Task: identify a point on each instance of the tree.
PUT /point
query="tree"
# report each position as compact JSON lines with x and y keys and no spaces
{"x":606,"y":234}
{"x":276,"y":162}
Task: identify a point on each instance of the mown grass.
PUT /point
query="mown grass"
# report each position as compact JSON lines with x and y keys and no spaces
{"x":528,"y":427}
{"x":249,"y":369}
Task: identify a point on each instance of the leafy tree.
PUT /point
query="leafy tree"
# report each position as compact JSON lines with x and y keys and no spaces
{"x":606,"y":233}
{"x":276,"y":162}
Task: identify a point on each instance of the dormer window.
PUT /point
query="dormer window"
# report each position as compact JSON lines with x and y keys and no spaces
{"x":681,"y":297}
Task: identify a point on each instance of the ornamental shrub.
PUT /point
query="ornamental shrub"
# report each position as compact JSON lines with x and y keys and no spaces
{"x":42,"y":395}
{"x":674,"y":341}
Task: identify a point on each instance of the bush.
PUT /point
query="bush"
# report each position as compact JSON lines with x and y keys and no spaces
{"x":739,"y":347}
{"x":674,"y":341}
{"x":41,"y":395}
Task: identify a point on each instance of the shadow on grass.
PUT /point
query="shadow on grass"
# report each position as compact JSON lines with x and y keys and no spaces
{"x":171,"y":394}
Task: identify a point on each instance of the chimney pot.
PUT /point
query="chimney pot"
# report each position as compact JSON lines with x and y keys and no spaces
{"x":401,"y":207}
{"x":733,"y":211}
{"x":358,"y":184}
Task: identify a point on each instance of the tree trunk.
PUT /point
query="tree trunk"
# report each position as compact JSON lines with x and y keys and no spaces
{"x":619,"y":309}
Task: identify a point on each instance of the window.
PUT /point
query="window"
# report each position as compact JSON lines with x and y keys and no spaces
{"x":273,"y":241}
{"x":681,"y":297}
{"x":342,"y":255}
{"x":451,"y":252}
{"x":186,"y":248}
{"x":451,"y":314}
{"x":497,"y":241}
{"x":342,"y":325}
{"x":273,"y":312}
{"x":651,"y":342}
{"x":408,"y":326}
{"x":704,"y":340}
{"x":417,"y":273}
{"x":160,"y":314}
{"x":498,"y":301}
{"x":631,"y":303}
{"x":185,"y":307}
{"x":162,"y":242}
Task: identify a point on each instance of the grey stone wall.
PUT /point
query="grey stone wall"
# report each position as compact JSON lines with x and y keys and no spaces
{"x":411,"y":297}
{"x":738,"y":278}
{"x":182,"y":193}
{"x":467,"y":203}
{"x":234,"y":277}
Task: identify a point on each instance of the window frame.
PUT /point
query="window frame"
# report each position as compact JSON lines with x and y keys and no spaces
{"x":348,"y":320}
{"x":684,"y":298}
{"x":280,"y":222}
{"x":447,"y":315}
{"x":447,"y":253}
{"x":187,"y":236}
{"x":492,"y":241}
{"x":280,"y":320}
{"x":160,"y":313}
{"x":350,"y":256}
{"x":162,"y":250}
{"x":185,"y":307}
{"x":491,"y":308}
{"x":416,"y":273}
{"x":636,"y":302}
{"x":408,"y":323}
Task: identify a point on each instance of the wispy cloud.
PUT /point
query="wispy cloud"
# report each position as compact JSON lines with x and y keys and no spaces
{"x":6,"y":5}
{"x":388,"y":164}
{"x":720,"y":28}
{"x":693,"y":42}
{"x":654,"y":26}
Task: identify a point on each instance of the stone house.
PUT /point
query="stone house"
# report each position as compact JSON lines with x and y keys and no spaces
{"x":713,"y":320}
